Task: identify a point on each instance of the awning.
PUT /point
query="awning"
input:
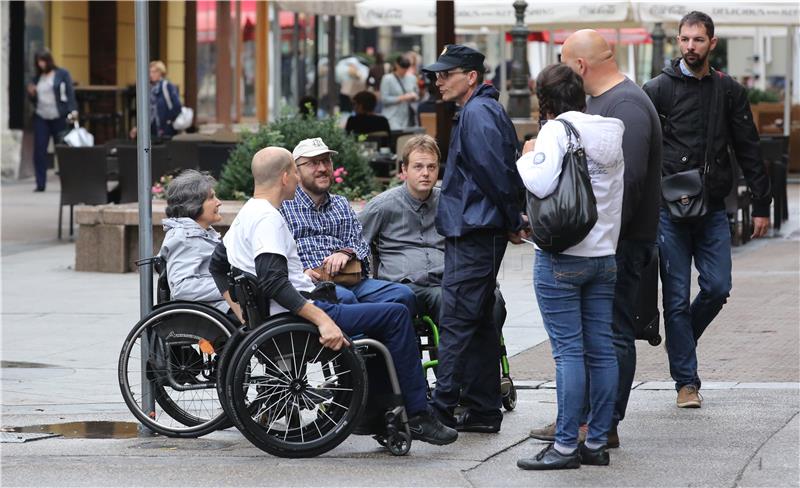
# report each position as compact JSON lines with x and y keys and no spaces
{"x":320,"y":7}
{"x":728,"y":13}
{"x":495,"y":13}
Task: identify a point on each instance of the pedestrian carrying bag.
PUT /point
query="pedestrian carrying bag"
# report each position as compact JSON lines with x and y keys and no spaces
{"x":412,"y":115}
{"x":184,"y":119}
{"x":79,"y":137}
{"x":566,"y":216}
{"x":683,"y":195}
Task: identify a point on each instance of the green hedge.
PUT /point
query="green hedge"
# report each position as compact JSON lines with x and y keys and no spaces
{"x":236,"y":181}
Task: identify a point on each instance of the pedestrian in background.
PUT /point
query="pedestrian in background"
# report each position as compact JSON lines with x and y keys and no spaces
{"x":575,"y":288}
{"x":704,"y":113}
{"x":478,"y":211}
{"x":612,"y":94}
{"x":165,"y":102}
{"x":53,"y":98}
{"x":399,"y":94}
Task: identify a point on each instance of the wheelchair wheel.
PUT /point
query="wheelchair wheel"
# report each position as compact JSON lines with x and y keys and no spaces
{"x":182,"y":342}
{"x":509,"y":392}
{"x":290,"y":396}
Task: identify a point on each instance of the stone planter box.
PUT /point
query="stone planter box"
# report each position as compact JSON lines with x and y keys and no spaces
{"x":108,"y":237}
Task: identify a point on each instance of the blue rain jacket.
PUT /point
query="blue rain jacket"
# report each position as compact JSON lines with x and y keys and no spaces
{"x":482,"y":188}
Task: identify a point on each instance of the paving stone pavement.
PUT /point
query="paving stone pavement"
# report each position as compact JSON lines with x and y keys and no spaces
{"x":756,"y":337}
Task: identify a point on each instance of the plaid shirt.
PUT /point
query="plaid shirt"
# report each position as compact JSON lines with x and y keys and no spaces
{"x":320,"y":232}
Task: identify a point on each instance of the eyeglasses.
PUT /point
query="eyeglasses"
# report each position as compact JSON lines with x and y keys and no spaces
{"x":444,"y":75}
{"x":320,"y":161}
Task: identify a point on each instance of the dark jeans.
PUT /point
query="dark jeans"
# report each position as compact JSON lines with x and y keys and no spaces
{"x":389,"y":323}
{"x":576,"y":300}
{"x":43,"y":130}
{"x":708,"y":242}
{"x":370,"y":290}
{"x":469,"y":345}
{"x":632,"y":257}
{"x":429,"y":302}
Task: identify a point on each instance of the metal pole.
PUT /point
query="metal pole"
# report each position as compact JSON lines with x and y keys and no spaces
{"x":657,"y":63}
{"x":145,"y":204}
{"x":519,"y":97}
{"x":787,"y":86}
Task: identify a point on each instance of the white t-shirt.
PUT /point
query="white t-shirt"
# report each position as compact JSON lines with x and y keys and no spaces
{"x":601,"y":138}
{"x":46,"y":106}
{"x":259,"y":228}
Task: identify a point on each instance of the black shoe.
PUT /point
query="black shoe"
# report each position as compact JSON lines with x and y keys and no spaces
{"x":549,"y":458}
{"x":38,"y":189}
{"x":427,"y":428}
{"x":593,"y":457}
{"x":469,"y":422}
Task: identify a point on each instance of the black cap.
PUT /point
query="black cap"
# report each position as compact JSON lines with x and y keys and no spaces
{"x":457,"y":56}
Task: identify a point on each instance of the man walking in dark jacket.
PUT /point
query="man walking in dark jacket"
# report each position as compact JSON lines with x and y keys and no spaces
{"x":478,"y":212}
{"x":703,"y":113}
{"x":612,"y":94}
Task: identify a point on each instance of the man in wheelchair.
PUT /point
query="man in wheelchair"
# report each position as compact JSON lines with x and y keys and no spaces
{"x":400,"y":227}
{"x":260,"y":243}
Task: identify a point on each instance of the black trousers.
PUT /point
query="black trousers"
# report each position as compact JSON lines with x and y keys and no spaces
{"x":469,"y":343}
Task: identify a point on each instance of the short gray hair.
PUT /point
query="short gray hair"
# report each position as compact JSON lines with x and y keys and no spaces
{"x":187,"y":192}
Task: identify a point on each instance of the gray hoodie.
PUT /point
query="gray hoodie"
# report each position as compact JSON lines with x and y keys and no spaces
{"x":187,"y":249}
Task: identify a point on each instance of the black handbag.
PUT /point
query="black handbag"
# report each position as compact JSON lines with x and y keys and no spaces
{"x":683,"y":196}
{"x":565,"y":217}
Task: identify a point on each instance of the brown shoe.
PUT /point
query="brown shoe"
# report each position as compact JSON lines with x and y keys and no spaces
{"x":689,"y":397}
{"x":548,"y":433}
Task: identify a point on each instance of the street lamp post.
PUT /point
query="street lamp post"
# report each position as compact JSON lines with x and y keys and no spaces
{"x":519,"y":97}
{"x":658,"y":36}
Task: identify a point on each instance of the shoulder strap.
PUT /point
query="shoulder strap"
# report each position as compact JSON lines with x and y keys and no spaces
{"x":165,"y":92}
{"x":571,"y":132}
{"x":400,"y":82}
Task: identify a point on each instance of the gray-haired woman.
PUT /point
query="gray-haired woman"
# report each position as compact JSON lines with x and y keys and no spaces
{"x":192,"y":206}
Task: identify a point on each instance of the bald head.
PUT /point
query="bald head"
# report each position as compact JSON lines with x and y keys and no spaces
{"x":269,"y":164}
{"x":589,"y":45}
{"x":589,"y":55}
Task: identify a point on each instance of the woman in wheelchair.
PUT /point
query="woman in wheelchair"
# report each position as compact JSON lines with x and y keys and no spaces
{"x":192,"y":207}
{"x":260,"y":245}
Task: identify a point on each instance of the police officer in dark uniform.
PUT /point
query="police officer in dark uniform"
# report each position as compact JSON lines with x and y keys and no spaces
{"x":479,"y":211}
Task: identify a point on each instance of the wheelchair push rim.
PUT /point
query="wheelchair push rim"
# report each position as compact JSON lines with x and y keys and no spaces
{"x":290,"y":396}
{"x":181,"y":368}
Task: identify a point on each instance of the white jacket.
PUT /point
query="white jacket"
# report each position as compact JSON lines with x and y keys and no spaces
{"x":601,"y":138}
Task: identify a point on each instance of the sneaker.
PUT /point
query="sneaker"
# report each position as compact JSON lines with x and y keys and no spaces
{"x":427,"y":428}
{"x":613,"y":438}
{"x":549,"y":458}
{"x":689,"y":397}
{"x":371,"y":423}
{"x":593,"y":457}
{"x":469,"y":422}
{"x":548,"y":433}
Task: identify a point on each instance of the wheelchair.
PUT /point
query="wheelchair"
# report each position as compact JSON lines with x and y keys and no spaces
{"x":179,"y":346}
{"x":270,"y":377}
{"x":428,"y":341}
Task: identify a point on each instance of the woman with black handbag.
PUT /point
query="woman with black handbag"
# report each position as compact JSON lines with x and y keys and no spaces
{"x":574,"y":174}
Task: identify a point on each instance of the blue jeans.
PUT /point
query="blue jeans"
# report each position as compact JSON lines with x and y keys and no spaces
{"x":709,"y":243}
{"x":43,"y":130}
{"x":390,"y":324}
{"x":576,"y":300}
{"x":370,"y":290}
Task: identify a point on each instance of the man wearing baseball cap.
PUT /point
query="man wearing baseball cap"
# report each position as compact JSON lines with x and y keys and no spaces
{"x":328,"y":233}
{"x":479,"y":211}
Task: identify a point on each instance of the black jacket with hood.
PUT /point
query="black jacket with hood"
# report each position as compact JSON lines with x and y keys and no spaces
{"x":702,"y":119}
